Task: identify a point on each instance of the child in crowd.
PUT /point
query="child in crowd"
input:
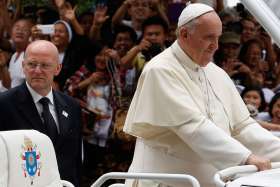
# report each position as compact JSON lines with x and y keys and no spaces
{"x":100,"y":87}
{"x":253,"y":97}
{"x":99,"y":97}
{"x":274,"y":109}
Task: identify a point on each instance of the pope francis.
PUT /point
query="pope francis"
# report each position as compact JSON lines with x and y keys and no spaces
{"x":187,"y":114}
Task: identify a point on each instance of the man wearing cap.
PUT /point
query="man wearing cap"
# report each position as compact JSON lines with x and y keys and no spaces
{"x":227,"y":57}
{"x":230,"y":44}
{"x":187,"y":114}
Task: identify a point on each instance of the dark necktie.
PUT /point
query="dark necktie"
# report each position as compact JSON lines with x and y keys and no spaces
{"x":48,"y":119}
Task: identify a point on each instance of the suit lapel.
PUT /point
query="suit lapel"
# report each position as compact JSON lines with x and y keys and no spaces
{"x":28,"y":109}
{"x":62,"y":112}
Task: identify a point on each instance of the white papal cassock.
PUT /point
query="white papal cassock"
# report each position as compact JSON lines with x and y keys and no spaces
{"x":191,"y":119}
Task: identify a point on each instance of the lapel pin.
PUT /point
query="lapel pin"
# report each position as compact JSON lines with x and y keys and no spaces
{"x":64,"y":113}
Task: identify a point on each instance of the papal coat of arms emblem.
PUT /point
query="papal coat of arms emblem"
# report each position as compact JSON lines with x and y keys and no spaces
{"x":30,"y":156}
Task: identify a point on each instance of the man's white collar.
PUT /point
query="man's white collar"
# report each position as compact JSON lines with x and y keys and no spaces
{"x":36,"y":97}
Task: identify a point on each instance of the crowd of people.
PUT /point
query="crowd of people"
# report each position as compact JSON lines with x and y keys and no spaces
{"x":103,"y":51}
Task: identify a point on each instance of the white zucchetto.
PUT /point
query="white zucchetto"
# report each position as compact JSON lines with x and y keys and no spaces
{"x":192,"y":11}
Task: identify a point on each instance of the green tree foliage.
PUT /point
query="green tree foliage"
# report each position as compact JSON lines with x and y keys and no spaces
{"x":85,"y":5}
{"x":82,"y":5}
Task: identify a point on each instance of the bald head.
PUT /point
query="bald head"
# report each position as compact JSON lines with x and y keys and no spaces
{"x":43,"y":47}
{"x":41,"y":65}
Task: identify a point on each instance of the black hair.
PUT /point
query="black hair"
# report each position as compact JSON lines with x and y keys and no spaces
{"x":242,"y":11}
{"x":25,"y":18}
{"x":123,"y":28}
{"x":272,"y":102}
{"x":96,"y":47}
{"x":155,"y":20}
{"x":245,"y":47}
{"x":87,"y":13}
{"x":259,"y":90}
{"x":234,"y":26}
{"x":48,"y":15}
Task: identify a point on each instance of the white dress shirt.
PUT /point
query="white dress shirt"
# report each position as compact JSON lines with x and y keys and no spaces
{"x":61,"y":57}
{"x":2,"y":88}
{"x":36,"y":98}
{"x":16,"y":70}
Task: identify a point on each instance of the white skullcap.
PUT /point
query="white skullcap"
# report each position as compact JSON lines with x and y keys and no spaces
{"x":191,"y":11}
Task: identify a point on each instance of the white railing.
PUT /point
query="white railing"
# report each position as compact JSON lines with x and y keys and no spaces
{"x":228,"y":175}
{"x":150,"y":176}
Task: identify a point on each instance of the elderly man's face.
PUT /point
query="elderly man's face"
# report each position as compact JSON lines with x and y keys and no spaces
{"x":201,"y":43}
{"x":40,"y":66}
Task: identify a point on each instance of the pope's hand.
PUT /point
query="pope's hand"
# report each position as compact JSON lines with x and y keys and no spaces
{"x":260,"y":162}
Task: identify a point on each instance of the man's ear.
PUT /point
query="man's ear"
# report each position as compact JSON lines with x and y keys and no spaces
{"x":184,"y":33}
{"x":58,"y":68}
{"x":23,"y":64}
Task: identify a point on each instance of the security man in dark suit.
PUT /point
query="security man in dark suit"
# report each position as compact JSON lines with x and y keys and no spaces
{"x":35,"y":105}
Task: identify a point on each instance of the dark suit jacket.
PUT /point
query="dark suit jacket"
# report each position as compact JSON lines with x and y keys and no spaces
{"x":18,"y":111}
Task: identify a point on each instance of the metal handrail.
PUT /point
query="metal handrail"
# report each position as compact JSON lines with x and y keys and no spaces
{"x":66,"y":183}
{"x":221,"y":176}
{"x":149,"y":176}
